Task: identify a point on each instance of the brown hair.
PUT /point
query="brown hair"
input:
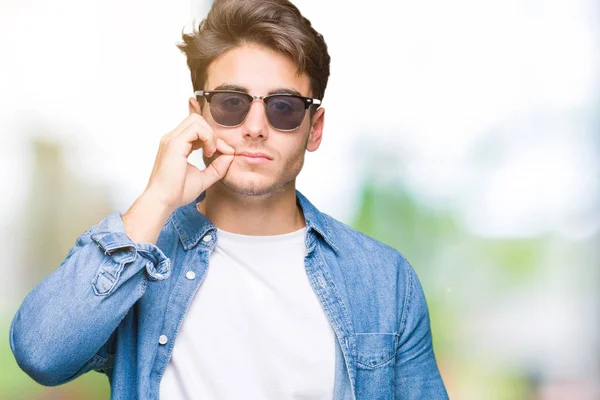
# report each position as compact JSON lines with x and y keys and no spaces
{"x":275,"y":24}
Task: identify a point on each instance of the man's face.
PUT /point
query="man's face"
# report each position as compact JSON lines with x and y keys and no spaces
{"x":260,"y":71}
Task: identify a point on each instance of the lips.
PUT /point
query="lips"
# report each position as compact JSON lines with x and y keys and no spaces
{"x":253,"y":157}
{"x":257,"y":155}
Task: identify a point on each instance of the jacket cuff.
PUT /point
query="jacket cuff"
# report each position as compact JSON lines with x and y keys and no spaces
{"x":110,"y":236}
{"x":159,"y":267}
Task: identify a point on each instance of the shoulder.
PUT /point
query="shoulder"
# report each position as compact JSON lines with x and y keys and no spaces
{"x":378,"y":279}
{"x":354,"y":244}
{"x":351,"y":239}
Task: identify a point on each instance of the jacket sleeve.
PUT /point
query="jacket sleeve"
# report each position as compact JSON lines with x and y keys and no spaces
{"x":62,"y":328}
{"x":416,"y":371}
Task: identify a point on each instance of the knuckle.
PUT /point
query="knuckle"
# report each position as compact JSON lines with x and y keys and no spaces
{"x":197,"y":125}
{"x":199,"y":119}
{"x":205,"y":133}
{"x":165,"y":140}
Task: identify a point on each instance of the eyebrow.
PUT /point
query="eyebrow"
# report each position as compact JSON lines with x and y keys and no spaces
{"x":238,"y":88}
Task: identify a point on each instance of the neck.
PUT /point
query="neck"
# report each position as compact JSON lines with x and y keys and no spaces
{"x":272,"y":214}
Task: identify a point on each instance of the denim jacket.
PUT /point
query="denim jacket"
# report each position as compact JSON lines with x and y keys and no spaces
{"x":115,"y":306}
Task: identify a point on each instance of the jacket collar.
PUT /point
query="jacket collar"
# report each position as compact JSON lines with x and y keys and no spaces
{"x":191,"y":225}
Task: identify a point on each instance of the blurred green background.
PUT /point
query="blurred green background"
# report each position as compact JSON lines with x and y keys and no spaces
{"x":474,"y":152}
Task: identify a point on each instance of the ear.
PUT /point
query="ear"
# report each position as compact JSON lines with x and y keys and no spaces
{"x":316,"y":130}
{"x":194,"y":106}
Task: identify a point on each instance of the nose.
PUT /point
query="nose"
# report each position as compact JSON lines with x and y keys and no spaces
{"x":256,"y":125}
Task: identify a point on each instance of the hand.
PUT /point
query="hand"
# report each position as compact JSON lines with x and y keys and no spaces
{"x":174,"y":181}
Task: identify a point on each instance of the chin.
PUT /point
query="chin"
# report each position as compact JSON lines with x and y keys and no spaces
{"x":249,"y":186}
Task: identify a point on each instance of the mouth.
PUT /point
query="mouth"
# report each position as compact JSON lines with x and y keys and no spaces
{"x":254,"y":158}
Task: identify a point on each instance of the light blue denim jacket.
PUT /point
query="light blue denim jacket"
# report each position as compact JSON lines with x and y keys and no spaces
{"x":116,"y":306}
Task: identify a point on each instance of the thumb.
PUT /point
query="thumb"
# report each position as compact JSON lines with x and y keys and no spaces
{"x":216,"y":170}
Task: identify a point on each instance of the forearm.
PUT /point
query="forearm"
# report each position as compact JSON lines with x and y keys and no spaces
{"x":145,"y":219}
{"x":70,"y":315}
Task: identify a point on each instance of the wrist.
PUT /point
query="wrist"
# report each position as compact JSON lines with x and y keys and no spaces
{"x":145,"y":219}
{"x":153,"y":203}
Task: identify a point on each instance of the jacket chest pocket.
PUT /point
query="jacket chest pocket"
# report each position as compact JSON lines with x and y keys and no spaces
{"x":375,"y":360}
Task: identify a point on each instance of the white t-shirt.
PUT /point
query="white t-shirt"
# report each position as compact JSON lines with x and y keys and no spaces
{"x":255,"y":329}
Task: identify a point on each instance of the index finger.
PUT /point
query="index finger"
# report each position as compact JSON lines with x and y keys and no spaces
{"x":200,"y":136}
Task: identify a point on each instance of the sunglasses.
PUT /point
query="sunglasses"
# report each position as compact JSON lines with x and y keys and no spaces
{"x":229,"y":108}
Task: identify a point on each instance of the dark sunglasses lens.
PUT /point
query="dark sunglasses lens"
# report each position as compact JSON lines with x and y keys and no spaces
{"x":285,"y":112}
{"x":229,"y":109}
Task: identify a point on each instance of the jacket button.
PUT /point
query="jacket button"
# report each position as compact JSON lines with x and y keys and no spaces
{"x":163,"y":339}
{"x":207,"y":238}
{"x":190,"y":275}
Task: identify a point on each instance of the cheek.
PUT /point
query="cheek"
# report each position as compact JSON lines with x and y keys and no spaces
{"x":296,"y":150}
{"x":228,"y":135}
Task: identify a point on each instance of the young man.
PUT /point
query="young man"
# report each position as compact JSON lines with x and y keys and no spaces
{"x":227,"y":283}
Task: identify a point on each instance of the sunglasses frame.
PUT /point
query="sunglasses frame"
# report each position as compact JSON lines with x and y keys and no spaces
{"x":208,"y":94}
